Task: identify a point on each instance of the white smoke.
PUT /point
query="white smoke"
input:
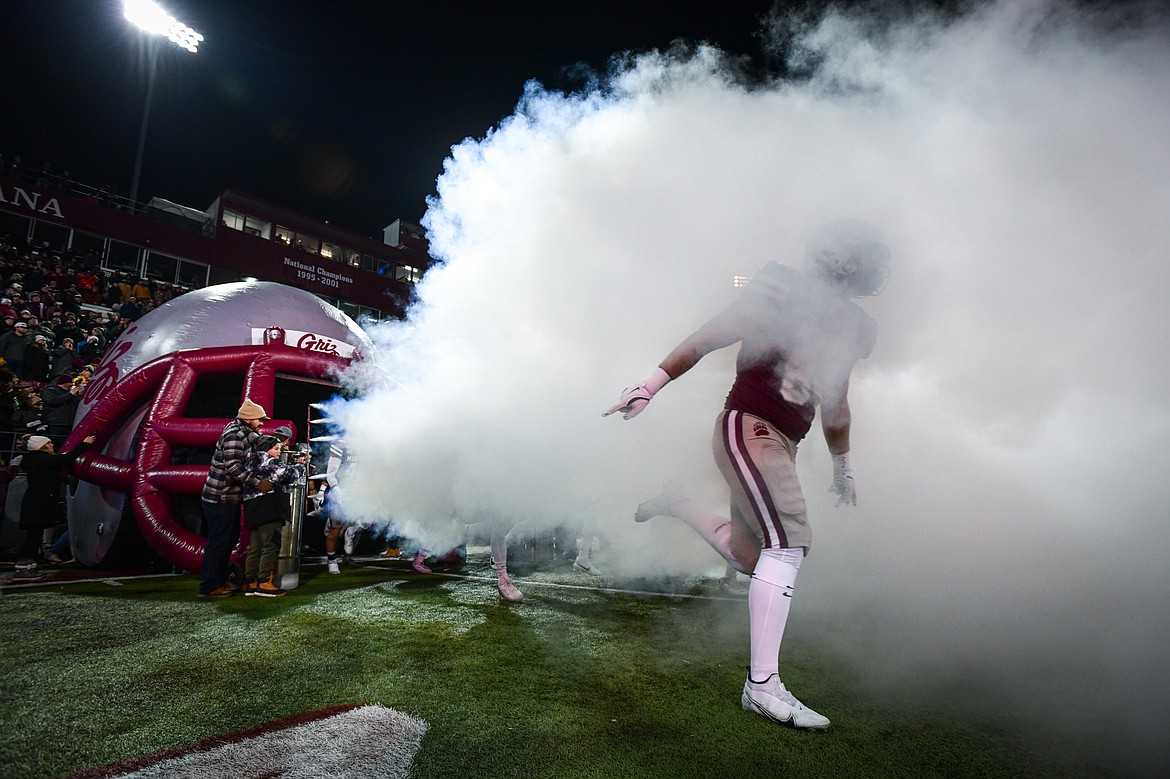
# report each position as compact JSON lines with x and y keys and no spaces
{"x":1007,"y":428}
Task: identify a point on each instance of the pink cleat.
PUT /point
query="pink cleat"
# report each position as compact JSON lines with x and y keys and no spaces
{"x":418,"y":565}
{"x":508,"y":590}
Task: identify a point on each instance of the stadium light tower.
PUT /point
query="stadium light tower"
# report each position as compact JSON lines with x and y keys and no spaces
{"x":154,"y":20}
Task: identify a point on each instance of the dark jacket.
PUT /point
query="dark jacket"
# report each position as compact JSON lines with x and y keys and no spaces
{"x":12,"y":345}
{"x":36,"y":362}
{"x":65,"y":360}
{"x":44,"y":504}
{"x":59,"y":406}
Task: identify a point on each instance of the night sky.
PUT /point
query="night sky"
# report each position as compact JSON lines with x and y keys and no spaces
{"x":346,"y":115}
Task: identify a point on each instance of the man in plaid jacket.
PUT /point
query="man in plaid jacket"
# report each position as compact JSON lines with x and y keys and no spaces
{"x":222,"y":494}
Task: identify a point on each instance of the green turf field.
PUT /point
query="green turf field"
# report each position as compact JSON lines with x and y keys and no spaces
{"x":575,"y":682}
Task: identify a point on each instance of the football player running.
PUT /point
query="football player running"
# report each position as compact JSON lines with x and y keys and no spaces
{"x":800,"y":335}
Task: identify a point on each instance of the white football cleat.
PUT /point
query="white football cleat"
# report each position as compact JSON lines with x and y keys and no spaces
{"x":585,"y":565}
{"x":334,"y":566}
{"x":772,"y":700}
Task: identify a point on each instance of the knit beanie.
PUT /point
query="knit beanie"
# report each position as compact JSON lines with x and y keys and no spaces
{"x":37,"y":442}
{"x":266,"y":442}
{"x":250,"y":410}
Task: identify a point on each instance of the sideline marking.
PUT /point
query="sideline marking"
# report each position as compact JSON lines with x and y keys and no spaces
{"x":612,"y":590}
{"x":114,"y":581}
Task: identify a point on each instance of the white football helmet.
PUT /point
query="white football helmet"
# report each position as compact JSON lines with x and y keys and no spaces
{"x":850,"y":253}
{"x":168,"y":385}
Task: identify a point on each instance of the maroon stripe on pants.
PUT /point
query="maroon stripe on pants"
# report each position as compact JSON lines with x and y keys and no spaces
{"x":749,"y":476}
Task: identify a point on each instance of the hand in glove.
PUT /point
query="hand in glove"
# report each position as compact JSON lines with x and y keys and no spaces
{"x":636,"y":398}
{"x":843,"y":481}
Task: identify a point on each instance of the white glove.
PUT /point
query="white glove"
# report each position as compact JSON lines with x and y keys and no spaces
{"x":636,"y":398}
{"x":843,"y":481}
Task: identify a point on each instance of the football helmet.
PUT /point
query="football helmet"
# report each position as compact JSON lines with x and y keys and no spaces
{"x":232,"y":341}
{"x":850,"y":253}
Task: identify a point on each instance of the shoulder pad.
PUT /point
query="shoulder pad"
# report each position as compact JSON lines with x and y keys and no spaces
{"x":773,"y":282}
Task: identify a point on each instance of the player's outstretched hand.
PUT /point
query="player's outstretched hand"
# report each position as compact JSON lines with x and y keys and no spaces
{"x":634,"y":399}
{"x":637,"y":397}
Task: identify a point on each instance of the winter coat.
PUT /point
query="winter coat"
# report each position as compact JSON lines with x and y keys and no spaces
{"x":36,"y":362}
{"x":58,"y":406}
{"x":64,"y":361}
{"x":271,"y":505}
{"x":12,"y":346}
{"x":43,"y":504}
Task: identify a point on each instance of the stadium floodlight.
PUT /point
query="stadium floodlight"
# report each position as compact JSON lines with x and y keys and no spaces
{"x":152,"y":18}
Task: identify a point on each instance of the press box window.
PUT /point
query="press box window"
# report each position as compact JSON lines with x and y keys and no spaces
{"x":246,"y":224}
{"x":408,"y":273}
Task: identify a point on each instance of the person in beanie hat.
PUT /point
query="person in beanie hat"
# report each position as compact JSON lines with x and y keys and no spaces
{"x":222,"y":495}
{"x":43,"y":505}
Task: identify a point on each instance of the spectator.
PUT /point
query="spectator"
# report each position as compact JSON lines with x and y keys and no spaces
{"x":37,"y":359}
{"x":45,"y":177}
{"x":72,"y":304}
{"x":12,"y":346}
{"x":26,"y":417}
{"x":90,"y":350}
{"x":84,"y":375}
{"x":69,"y":329}
{"x":36,"y":305}
{"x":14,"y":169}
{"x":141,"y":291}
{"x":130,"y":310}
{"x":60,"y":406}
{"x":112,"y":296}
{"x":43,"y":506}
{"x":123,"y":286}
{"x":35,"y":328}
{"x":9,"y":399}
{"x":98,"y":330}
{"x":65,"y":359}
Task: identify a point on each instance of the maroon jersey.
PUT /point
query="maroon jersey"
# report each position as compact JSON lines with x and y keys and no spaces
{"x":801,"y":340}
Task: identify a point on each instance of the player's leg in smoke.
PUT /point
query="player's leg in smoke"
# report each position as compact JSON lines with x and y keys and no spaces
{"x":731,"y":540}
{"x":352,"y":532}
{"x":585,"y":545}
{"x":769,"y":600}
{"x":392,"y":540}
{"x":500,"y":562}
{"x":333,"y":530}
{"x":767,"y":460}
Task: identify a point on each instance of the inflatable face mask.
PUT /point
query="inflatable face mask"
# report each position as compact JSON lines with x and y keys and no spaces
{"x":138,"y":399}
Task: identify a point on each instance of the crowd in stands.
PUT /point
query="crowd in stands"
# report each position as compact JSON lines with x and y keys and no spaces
{"x":59,"y":313}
